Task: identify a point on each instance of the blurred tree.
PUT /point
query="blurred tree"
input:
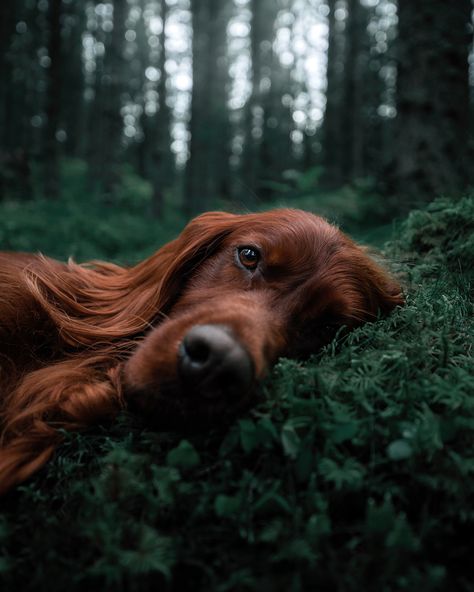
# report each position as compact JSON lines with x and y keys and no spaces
{"x":8,"y":20}
{"x":218,"y":96}
{"x":352,"y":96}
{"x":158,"y":160}
{"x":432,"y":123}
{"x":209,"y":147}
{"x":353,"y":118}
{"x":72,"y":76}
{"x":113,"y":82}
{"x":332,"y":132}
{"x":23,"y":60}
{"x":95,"y":126}
{"x":53,"y":102}
{"x":257,"y":109}
{"x":275,"y":153}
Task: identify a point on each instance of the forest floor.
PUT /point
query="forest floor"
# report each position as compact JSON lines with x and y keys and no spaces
{"x":354,"y":471}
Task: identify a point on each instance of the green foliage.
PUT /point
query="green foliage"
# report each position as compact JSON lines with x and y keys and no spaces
{"x":445,"y":232}
{"x":357,"y":207}
{"x":63,"y":228}
{"x":354,"y":471}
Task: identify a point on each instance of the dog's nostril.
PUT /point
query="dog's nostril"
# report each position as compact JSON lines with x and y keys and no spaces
{"x":196,"y":348}
{"x":213,"y":363}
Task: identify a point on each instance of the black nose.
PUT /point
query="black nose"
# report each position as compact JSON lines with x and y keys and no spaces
{"x":213,"y":363}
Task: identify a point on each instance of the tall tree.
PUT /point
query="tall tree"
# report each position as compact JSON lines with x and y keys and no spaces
{"x":72,"y":75}
{"x":157,"y":158}
{"x":113,"y":82}
{"x":355,"y":95}
{"x":8,"y":12}
{"x":431,"y":136}
{"x":53,"y":102}
{"x":349,"y":97}
{"x":208,"y":105}
{"x":332,"y":137}
{"x":198,"y":173}
{"x":258,"y":105}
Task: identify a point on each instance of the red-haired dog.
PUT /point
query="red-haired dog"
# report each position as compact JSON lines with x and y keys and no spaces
{"x":180,"y":338}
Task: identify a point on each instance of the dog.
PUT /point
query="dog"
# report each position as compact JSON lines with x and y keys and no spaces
{"x":181,"y":338}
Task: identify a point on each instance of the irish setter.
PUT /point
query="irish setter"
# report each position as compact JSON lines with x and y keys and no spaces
{"x":180,"y":338}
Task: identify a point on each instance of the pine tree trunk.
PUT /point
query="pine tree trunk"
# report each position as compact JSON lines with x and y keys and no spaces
{"x":114,"y":66}
{"x":331,"y":130}
{"x":162,"y":160}
{"x":51,"y":148}
{"x":207,"y":167}
{"x":256,"y":157}
{"x":431,"y":138}
{"x":198,"y":173}
{"x":73,"y":112}
{"x":7,"y":28}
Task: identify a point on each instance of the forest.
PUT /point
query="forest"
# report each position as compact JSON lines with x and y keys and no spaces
{"x":237,"y":102}
{"x":120,"y":120}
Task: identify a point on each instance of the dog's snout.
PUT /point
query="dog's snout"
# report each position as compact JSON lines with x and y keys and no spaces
{"x":213,"y":363}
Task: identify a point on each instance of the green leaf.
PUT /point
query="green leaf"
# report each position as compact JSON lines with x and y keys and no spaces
{"x":227,"y":506}
{"x":317,"y":526}
{"x":272,"y":503}
{"x":399,"y":450}
{"x":184,"y":456}
{"x":290,"y":440}
{"x":249,"y":437}
{"x":343,"y":432}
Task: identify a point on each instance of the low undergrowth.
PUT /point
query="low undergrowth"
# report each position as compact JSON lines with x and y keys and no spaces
{"x":354,"y":471}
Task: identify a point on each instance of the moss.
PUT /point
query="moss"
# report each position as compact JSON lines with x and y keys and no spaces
{"x":354,"y":471}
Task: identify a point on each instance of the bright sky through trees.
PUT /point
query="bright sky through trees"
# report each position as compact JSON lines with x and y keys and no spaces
{"x":300,"y":42}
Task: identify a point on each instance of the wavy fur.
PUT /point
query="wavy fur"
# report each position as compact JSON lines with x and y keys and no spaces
{"x":80,"y":342}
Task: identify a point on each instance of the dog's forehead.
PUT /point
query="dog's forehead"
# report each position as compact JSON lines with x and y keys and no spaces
{"x":287,"y":232}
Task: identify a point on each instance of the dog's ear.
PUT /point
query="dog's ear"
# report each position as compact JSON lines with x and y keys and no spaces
{"x":379,"y":291}
{"x":356,"y":285}
{"x":199,"y":240}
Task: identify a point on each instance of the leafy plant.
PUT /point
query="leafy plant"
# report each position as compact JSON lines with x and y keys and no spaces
{"x":354,"y":470}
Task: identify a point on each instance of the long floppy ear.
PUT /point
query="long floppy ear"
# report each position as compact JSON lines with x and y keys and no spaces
{"x":200,"y":239}
{"x":380,"y":291}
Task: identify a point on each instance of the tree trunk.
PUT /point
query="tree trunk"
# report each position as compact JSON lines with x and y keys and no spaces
{"x":7,"y":28}
{"x":209,"y":150}
{"x":198,"y":173}
{"x":332,"y":139}
{"x":73,"y":112}
{"x":51,"y":148}
{"x":355,"y":99}
{"x":431,"y":137}
{"x":161,"y":157}
{"x":258,"y":110}
{"x":114,"y":66}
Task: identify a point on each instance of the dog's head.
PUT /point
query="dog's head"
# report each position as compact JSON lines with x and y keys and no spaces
{"x":240,"y":291}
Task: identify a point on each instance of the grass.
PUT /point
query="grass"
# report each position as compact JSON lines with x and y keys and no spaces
{"x":354,"y":471}
{"x":82,"y":226}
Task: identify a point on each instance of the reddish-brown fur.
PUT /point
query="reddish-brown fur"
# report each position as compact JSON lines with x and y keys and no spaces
{"x":80,"y":342}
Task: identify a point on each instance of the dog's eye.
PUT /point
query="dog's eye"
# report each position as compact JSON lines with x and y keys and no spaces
{"x":248,"y":257}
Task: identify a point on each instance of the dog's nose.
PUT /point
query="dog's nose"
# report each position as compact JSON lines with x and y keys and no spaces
{"x":213,"y":363}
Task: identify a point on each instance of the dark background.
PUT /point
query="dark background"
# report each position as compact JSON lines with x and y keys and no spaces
{"x":358,"y":109}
